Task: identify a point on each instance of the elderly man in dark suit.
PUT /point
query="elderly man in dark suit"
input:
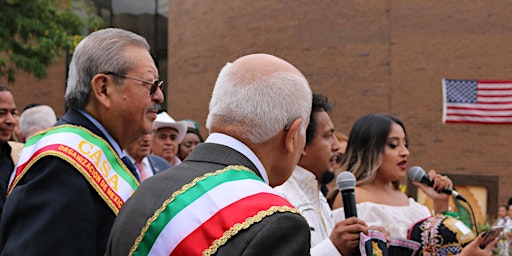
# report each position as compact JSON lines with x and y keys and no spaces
{"x":220,"y":199}
{"x":70,"y":181}
{"x":147,"y":164}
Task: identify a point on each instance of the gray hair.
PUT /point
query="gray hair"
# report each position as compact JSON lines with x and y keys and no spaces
{"x":36,"y":119}
{"x":100,"y":51}
{"x":259,"y":107}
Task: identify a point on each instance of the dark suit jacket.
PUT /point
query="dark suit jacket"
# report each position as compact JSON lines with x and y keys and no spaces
{"x":54,"y":211}
{"x":279,"y":234}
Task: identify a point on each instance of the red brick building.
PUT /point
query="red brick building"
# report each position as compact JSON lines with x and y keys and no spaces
{"x":366,"y":56}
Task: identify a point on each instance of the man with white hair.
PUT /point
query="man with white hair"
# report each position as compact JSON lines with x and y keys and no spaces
{"x":220,"y":200}
{"x":36,"y":119}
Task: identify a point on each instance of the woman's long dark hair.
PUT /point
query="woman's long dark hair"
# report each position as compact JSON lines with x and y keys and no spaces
{"x":365,"y":146}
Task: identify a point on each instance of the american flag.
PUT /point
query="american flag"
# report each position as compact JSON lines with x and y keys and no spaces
{"x":477,"y":101}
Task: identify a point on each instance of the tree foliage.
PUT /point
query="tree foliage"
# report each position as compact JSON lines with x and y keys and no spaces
{"x":35,"y":33}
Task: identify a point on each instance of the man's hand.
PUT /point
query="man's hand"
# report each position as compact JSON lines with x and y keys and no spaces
{"x":345,"y":235}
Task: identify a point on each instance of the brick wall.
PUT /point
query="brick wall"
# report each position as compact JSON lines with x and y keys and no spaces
{"x":366,"y":56}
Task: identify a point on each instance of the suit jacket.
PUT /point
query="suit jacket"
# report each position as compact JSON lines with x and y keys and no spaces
{"x":9,"y":153}
{"x":158,"y":163}
{"x":54,"y":210}
{"x":278,"y":234}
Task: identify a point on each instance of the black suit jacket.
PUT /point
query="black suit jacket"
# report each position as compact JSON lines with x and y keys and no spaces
{"x":54,"y":210}
{"x":279,"y":234}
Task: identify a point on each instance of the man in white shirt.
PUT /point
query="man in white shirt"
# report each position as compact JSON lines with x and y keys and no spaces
{"x":302,"y":189}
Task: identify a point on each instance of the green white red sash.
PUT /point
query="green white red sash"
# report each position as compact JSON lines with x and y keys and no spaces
{"x":207,"y":212}
{"x":92,"y":156}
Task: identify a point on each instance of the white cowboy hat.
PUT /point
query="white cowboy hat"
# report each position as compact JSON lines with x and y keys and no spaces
{"x":165,"y":120}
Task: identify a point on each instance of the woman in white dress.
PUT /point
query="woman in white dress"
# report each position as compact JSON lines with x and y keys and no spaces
{"x":377,"y":155}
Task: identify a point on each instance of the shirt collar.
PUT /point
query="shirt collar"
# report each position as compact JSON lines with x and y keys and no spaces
{"x":228,"y":141}
{"x":110,"y":139}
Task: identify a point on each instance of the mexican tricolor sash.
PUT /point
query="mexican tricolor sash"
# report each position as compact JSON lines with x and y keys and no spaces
{"x":204,"y":214}
{"x":92,"y":156}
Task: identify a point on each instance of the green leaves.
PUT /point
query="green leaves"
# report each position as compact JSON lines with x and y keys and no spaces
{"x":35,"y":33}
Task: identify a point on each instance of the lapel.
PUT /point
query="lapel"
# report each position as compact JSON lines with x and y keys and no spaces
{"x":154,"y":168}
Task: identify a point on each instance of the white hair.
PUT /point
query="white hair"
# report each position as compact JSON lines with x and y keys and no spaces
{"x":36,"y":119}
{"x":259,"y":107}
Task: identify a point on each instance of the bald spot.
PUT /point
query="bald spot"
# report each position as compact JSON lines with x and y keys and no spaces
{"x":255,"y":66}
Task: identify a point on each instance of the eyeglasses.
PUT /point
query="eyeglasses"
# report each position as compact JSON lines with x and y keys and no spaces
{"x":155,"y":84}
{"x":336,"y":158}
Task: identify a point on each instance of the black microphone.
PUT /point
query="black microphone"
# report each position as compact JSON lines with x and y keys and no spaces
{"x":346,"y":183}
{"x":417,"y":173}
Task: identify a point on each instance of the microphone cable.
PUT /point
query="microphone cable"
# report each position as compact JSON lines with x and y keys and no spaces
{"x":471,"y":213}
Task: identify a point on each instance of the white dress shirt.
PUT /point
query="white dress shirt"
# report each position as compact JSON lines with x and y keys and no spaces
{"x":228,"y":141}
{"x":148,"y":171}
{"x":302,"y":190}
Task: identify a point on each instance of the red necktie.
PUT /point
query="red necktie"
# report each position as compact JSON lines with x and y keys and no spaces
{"x":142,"y":173}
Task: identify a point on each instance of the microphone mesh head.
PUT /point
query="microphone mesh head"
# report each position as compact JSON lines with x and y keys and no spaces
{"x":346,"y":180}
{"x":416,"y":173}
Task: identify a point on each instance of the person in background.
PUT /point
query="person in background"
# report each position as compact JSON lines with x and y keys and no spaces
{"x":167,"y":136}
{"x":16,"y":134}
{"x":343,"y":140}
{"x":9,"y":150}
{"x":71,"y":180}
{"x":503,"y":217}
{"x":36,"y":119}
{"x":504,"y":220}
{"x":302,"y":189}
{"x":379,"y":168}
{"x":191,"y":140}
{"x":147,"y":164}
{"x":330,"y":190}
{"x":220,"y":200}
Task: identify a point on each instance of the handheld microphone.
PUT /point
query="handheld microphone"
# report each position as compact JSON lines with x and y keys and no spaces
{"x":417,"y":173}
{"x":346,"y":182}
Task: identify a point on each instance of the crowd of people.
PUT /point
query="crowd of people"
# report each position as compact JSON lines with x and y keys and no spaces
{"x":115,"y":176}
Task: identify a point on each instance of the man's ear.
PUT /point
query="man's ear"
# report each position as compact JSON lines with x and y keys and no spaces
{"x":100,"y":86}
{"x":291,"y":132}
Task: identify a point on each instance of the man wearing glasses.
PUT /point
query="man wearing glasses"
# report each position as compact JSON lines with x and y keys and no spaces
{"x":71,"y":181}
{"x":219,"y":200}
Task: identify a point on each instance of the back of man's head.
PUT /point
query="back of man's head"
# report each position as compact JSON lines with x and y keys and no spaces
{"x":36,"y":119}
{"x":257,"y":96}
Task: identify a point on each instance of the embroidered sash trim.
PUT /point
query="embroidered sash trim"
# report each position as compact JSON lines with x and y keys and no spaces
{"x":92,"y":156}
{"x":230,"y":200}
